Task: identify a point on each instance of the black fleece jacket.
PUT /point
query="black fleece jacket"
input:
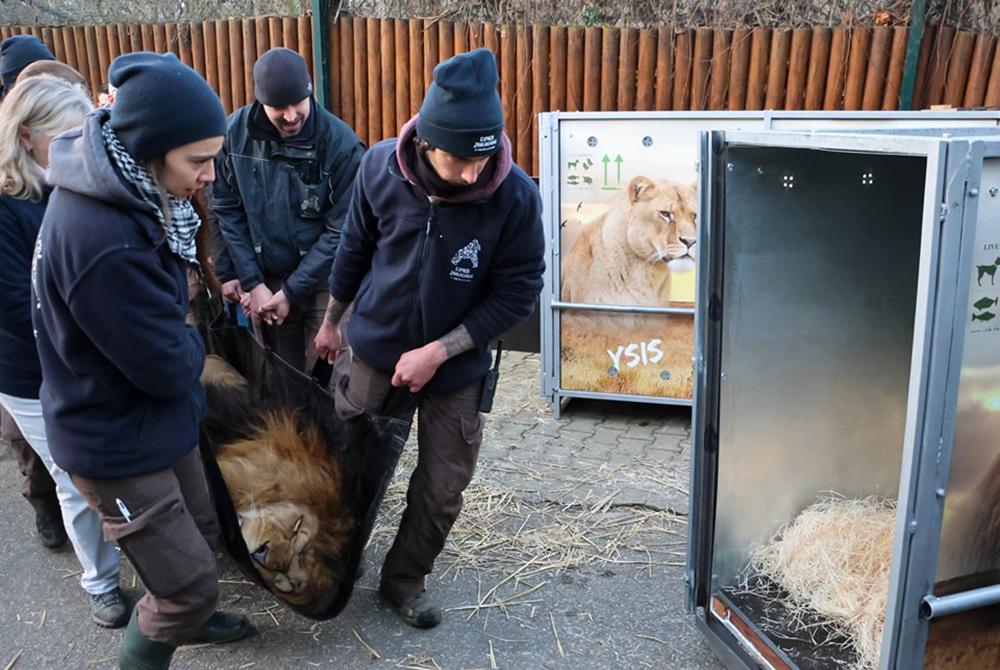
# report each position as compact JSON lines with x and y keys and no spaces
{"x":417,"y":267}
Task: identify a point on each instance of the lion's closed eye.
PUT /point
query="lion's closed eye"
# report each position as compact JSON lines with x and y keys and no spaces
{"x":666,"y":215}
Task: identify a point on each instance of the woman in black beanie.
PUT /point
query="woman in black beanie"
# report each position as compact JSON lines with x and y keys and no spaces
{"x":120,"y":365}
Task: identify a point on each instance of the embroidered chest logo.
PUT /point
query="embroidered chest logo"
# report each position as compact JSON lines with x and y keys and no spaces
{"x":465,"y":261}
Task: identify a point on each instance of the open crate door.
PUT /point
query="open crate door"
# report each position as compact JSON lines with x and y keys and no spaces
{"x":823,"y":344}
{"x":962,"y":593}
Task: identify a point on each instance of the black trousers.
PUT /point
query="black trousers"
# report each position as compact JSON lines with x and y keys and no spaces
{"x":38,"y":487}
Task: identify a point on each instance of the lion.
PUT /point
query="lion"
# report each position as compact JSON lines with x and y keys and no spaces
{"x":287,"y":492}
{"x":227,"y":394}
{"x":627,"y":256}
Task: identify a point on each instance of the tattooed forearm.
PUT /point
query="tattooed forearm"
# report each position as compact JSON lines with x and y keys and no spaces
{"x":336,"y":311}
{"x":457,"y":341}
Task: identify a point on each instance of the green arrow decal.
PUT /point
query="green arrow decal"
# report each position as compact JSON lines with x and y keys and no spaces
{"x":607,"y":161}
{"x":619,"y":160}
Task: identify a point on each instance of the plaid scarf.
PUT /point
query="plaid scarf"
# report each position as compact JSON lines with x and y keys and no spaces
{"x":184,"y":221}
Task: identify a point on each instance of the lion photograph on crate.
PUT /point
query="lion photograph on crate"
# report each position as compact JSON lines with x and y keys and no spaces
{"x":630,"y":251}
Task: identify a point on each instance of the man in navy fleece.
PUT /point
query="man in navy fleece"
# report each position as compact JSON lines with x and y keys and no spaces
{"x":441,"y":252}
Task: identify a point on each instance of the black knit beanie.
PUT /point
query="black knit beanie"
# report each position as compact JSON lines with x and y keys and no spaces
{"x":281,"y":78}
{"x":17,"y":53}
{"x":462,"y":113}
{"x":161,"y":104}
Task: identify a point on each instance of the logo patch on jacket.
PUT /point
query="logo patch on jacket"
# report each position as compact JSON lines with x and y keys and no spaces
{"x":465,"y":261}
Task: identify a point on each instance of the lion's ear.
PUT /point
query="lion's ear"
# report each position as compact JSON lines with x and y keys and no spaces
{"x":640,"y":188}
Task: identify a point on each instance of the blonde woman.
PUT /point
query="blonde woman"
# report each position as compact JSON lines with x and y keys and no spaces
{"x":35,"y":111}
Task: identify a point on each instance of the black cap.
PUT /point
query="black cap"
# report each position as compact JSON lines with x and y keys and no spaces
{"x":18,"y":52}
{"x":461,"y":112}
{"x":281,"y":78}
{"x":161,"y":104}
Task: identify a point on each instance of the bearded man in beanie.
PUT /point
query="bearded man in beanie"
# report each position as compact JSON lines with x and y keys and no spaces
{"x":17,"y":53}
{"x":442,"y":251}
{"x":284,"y":177}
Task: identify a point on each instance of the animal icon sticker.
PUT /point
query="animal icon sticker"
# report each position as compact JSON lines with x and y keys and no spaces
{"x":984,"y":316}
{"x":984,"y":303}
{"x":983,"y":309}
{"x":578,"y":171}
{"x":984,"y":271}
{"x":985,"y":298}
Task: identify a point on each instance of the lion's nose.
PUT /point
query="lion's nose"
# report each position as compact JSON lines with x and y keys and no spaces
{"x":260,"y":553}
{"x":689,"y":241}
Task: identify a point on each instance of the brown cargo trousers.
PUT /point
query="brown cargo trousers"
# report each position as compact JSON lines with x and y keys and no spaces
{"x":38,"y":487}
{"x":169,"y":541}
{"x":450,"y":431}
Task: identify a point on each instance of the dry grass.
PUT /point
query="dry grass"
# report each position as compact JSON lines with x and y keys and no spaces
{"x":966,"y":14}
{"x":520,"y":389}
{"x":586,"y":363}
{"x":531,"y":543}
{"x":833,"y":560}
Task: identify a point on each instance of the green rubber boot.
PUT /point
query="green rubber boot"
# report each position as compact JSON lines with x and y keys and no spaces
{"x":138,"y":652}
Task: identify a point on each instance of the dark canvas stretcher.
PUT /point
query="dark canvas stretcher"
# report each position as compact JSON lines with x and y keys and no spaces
{"x":367,"y":447}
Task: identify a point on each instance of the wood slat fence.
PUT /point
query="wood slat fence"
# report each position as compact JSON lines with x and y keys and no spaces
{"x":380,"y":68}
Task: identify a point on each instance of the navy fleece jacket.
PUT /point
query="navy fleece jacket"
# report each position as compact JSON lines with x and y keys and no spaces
{"x":418,"y":267}
{"x":20,"y":371}
{"x":120,"y":367}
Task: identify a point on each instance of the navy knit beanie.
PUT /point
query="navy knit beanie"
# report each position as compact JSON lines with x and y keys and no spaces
{"x":161,"y":104}
{"x":17,"y":53}
{"x":462,"y":113}
{"x":281,"y":78}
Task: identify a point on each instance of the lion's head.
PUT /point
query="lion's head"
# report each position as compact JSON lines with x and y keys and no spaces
{"x":286,"y":490}
{"x":281,"y":540}
{"x":661,"y":222}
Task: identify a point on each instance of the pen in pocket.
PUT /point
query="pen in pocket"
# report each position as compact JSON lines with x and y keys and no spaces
{"x":123,"y":509}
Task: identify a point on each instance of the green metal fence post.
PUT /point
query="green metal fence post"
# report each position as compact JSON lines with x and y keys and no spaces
{"x":918,"y":16}
{"x":321,"y":51}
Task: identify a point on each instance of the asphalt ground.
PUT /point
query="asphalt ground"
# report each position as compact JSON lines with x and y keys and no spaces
{"x":569,"y":554}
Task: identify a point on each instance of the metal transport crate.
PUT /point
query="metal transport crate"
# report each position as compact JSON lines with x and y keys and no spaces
{"x":617,"y":309}
{"x":848,"y":340}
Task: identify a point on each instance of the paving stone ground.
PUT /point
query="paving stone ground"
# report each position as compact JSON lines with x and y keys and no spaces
{"x":569,"y":555}
{"x":637,"y":453}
